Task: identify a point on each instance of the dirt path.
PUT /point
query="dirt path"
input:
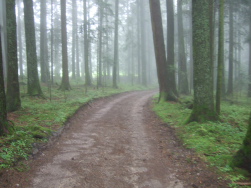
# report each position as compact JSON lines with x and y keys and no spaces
{"x":118,"y":143}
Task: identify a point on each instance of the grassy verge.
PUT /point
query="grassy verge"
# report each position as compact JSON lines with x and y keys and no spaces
{"x":215,"y":142}
{"x":39,"y":118}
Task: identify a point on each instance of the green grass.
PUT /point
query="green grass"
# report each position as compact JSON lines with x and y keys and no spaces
{"x":39,"y":118}
{"x":215,"y":142}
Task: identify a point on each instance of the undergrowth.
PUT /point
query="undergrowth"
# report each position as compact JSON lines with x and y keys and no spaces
{"x":215,"y":142}
{"x":40,"y":117}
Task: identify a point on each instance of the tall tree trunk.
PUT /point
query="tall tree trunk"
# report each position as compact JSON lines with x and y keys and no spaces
{"x":159,"y":47}
{"x":220,"y":58}
{"x":13,"y":92}
{"x":143,"y":42}
{"x":74,"y":36}
{"x":86,"y":47}
{"x":138,"y":42}
{"x":203,"y":108}
{"x":249,"y":72}
{"x":231,"y":50}
{"x":191,"y":47}
{"x":173,"y":93}
{"x":20,"y":43}
{"x":183,"y":80}
{"x":4,"y":37}
{"x":116,"y":45}
{"x":65,"y":84}
{"x":100,"y":41}
{"x":77,"y":58}
{"x":43,"y":43}
{"x":34,"y":88}
{"x":3,"y":112}
{"x":52,"y":43}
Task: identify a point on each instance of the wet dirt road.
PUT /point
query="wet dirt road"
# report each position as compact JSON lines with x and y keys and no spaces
{"x":107,"y":147}
{"x":118,"y":142}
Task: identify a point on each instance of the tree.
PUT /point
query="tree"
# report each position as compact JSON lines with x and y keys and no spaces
{"x":100,"y":41}
{"x":65,"y":84}
{"x":159,"y":47}
{"x":3,"y":111}
{"x":74,"y":37}
{"x":13,"y":93}
{"x":249,"y":72}
{"x":44,"y":65}
{"x":220,"y":57}
{"x":143,"y":42}
{"x":52,"y":42}
{"x":20,"y":43}
{"x":173,"y":93}
{"x":203,"y":108}
{"x":242,"y":158}
{"x":231,"y":50}
{"x":183,"y":79}
{"x":33,"y":84}
{"x":116,"y":46}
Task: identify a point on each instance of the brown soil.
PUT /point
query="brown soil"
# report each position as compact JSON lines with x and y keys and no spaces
{"x":117,"y":143}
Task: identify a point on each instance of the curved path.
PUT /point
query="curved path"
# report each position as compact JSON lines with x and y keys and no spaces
{"x":117,"y":143}
{"x":108,"y":148}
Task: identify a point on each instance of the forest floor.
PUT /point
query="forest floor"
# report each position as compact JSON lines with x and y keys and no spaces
{"x":117,"y":142}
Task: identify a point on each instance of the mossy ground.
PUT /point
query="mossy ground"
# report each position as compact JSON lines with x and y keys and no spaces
{"x":215,"y":142}
{"x":40,"y":117}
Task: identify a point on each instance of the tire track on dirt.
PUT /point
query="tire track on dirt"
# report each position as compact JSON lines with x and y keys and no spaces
{"x":107,"y":147}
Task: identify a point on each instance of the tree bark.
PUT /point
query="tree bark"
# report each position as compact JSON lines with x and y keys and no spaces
{"x":100,"y":43}
{"x":33,"y":85}
{"x":203,"y":108}
{"x":173,"y":93}
{"x":3,"y":112}
{"x":116,"y":45}
{"x":13,"y":92}
{"x":65,"y":84}
{"x":249,"y":72}
{"x":143,"y":42}
{"x":159,"y":48}
{"x":231,"y":50}
{"x":220,"y":58}
{"x":44,"y":65}
{"x":74,"y":36}
{"x":86,"y":48}
{"x":183,"y":79}
{"x":20,"y":43}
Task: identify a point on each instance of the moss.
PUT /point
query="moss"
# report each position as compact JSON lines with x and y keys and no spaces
{"x":242,"y":158}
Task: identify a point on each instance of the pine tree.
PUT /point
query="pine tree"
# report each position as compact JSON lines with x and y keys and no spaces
{"x":13,"y":92}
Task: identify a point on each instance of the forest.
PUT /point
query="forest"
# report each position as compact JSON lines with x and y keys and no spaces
{"x":58,"y":55}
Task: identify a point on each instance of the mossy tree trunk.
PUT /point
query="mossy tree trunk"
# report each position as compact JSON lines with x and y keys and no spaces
{"x":203,"y":109}
{"x":65,"y":83}
{"x":242,"y":158}
{"x":13,"y":92}
{"x":220,"y":58}
{"x":3,"y":112}
{"x":33,"y":84}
